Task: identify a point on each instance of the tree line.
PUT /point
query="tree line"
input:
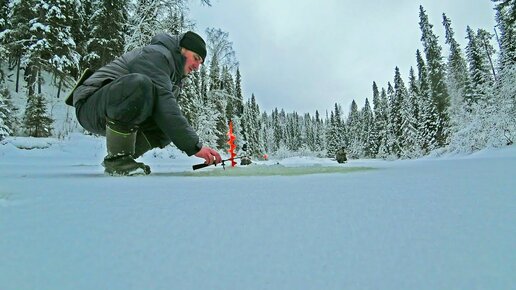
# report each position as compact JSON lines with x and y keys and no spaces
{"x":464,"y":101}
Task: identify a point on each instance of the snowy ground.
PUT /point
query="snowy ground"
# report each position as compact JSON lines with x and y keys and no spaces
{"x":446,"y":223}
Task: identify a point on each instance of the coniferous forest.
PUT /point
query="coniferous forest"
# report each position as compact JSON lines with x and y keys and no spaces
{"x":461,"y":102}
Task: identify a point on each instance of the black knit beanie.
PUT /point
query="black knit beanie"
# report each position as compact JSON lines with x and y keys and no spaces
{"x":192,"y":41}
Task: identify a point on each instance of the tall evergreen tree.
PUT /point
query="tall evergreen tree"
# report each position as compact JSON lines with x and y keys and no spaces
{"x":239,"y":98}
{"x":428,"y":116}
{"x":409,"y":142}
{"x":382,"y":125}
{"x":228,"y":86}
{"x":188,"y":97}
{"x":9,"y":112}
{"x":107,"y":34}
{"x":4,"y":8}
{"x":457,"y":76}
{"x":335,"y":135}
{"x":214,"y":75}
{"x":396,"y":116}
{"x":16,"y":37}
{"x":479,"y":69}
{"x":391,"y":138}
{"x":367,"y":131}
{"x":354,"y":144}
{"x":506,"y":23}
{"x":320,"y":140}
{"x":293,"y":131}
{"x":413,"y":128}
{"x":310,"y":132}
{"x":5,"y":113}
{"x":277,"y":134}
{"x":252,"y":123}
{"x":378,"y":118}
{"x":143,"y":23}
{"x":436,"y":77}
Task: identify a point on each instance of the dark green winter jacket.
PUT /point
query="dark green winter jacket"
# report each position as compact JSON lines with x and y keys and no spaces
{"x":163,"y":63}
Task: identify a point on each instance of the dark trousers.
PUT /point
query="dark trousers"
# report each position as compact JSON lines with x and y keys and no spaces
{"x":128,"y":102}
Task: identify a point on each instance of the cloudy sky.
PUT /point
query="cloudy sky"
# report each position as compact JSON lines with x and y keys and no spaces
{"x":303,"y":55}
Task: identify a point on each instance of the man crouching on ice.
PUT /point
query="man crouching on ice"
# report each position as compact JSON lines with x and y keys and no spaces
{"x":133,"y":102}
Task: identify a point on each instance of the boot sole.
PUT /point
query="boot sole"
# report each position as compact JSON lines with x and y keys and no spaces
{"x":136,"y":172}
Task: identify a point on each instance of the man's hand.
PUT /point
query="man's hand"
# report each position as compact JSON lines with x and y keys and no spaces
{"x":209,"y":155}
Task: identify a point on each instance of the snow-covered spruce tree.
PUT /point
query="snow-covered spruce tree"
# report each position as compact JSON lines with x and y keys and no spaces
{"x":378,"y":119}
{"x":354,"y":144}
{"x":4,"y":8}
{"x":413,"y":102}
{"x":228,"y":86}
{"x":148,"y":17}
{"x":252,"y":125}
{"x":367,"y":131}
{"x":409,"y":126}
{"x":335,"y":137}
{"x":392,"y":142}
{"x":382,"y":125}
{"x":214,"y":76}
{"x":187,"y":96}
{"x":278,"y":120}
{"x":199,"y":111}
{"x":265,"y":133}
{"x":82,"y":31}
{"x":60,"y":56}
{"x":10,"y":112}
{"x":309,"y":133}
{"x":106,"y":39}
{"x":396,"y":116}
{"x":218,"y":99}
{"x":319,"y":128}
{"x":293,"y":131}
{"x":506,"y":89}
{"x":483,"y":111}
{"x":457,"y":79}
{"x":143,"y":23}
{"x":238,"y":103}
{"x":222,"y":62}
{"x":482,"y":79}
{"x":36,"y":121}
{"x":436,"y":77}
{"x":506,"y":23}
{"x":203,"y":83}
{"x":331,"y":135}
{"x":428,"y":116}
{"x":5,"y":129}
{"x":17,"y":35}
{"x":205,"y":125}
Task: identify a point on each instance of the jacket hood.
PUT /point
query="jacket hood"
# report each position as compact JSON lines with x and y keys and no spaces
{"x":171,"y":42}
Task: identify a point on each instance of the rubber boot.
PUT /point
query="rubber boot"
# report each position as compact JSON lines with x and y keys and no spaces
{"x":120,"y":151}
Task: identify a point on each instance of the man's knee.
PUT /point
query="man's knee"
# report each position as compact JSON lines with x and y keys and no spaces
{"x":131,"y":99}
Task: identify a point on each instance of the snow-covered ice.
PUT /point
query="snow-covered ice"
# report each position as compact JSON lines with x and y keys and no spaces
{"x":433,"y":223}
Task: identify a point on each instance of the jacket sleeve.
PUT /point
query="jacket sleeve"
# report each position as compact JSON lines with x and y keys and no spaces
{"x":167,"y":114}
